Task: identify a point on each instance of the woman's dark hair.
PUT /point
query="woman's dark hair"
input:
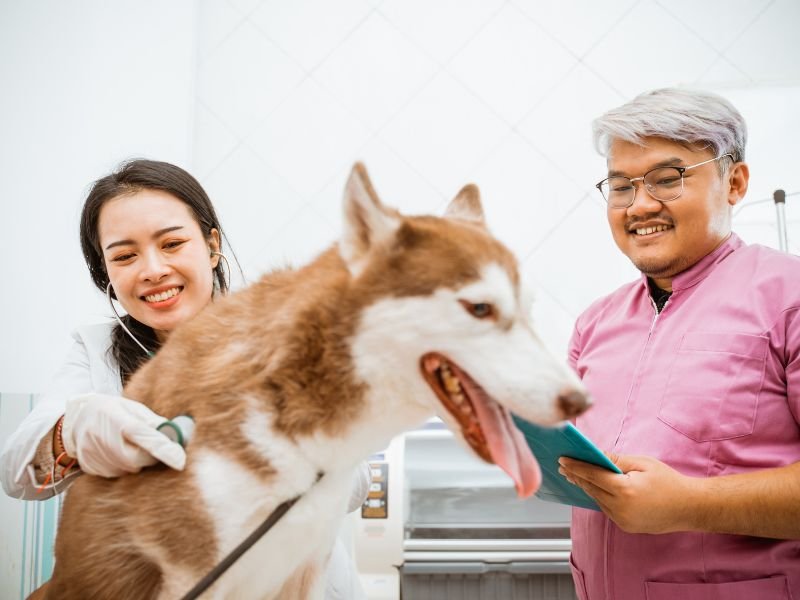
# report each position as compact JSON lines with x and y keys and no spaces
{"x":129,"y":178}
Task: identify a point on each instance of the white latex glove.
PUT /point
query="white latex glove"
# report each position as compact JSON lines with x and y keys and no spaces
{"x":111,"y":436}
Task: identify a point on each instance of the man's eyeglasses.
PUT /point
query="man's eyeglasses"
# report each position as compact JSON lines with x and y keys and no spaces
{"x":662,"y":183}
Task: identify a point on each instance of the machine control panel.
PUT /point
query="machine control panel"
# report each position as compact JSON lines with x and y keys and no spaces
{"x":376,"y":506}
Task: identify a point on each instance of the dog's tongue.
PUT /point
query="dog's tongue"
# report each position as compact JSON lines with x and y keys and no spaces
{"x":506,"y":443}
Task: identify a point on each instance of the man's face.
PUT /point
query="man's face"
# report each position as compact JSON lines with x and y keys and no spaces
{"x":687,"y":228}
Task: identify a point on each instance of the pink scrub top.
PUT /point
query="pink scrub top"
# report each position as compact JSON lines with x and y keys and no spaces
{"x":710,"y":386}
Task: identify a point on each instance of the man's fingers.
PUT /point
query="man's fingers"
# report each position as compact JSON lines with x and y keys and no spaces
{"x":598,"y":494}
{"x":582,"y":474}
{"x":595,"y":491}
{"x":583,"y":470}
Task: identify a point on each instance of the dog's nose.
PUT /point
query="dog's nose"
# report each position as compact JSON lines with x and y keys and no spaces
{"x":573,"y":402}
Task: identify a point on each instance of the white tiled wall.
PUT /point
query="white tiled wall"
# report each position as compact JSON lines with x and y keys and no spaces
{"x":83,"y":86}
{"x":432,"y":95}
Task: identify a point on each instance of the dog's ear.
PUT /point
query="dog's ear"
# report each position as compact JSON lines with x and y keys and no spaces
{"x":466,"y":206}
{"x":367,"y":222}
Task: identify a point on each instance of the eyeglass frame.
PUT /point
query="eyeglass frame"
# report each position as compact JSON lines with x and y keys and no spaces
{"x":681,"y":170}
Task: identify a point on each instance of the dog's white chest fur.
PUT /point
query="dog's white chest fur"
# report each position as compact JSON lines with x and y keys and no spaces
{"x":238,"y":502}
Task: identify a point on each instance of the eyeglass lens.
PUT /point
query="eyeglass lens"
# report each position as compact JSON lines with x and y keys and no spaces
{"x":664,"y":184}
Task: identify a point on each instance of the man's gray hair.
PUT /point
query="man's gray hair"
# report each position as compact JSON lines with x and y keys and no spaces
{"x":681,"y":115}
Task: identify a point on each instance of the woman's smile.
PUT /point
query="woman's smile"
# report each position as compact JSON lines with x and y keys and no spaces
{"x":163,"y":298}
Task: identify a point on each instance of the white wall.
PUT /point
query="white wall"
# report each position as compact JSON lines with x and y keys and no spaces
{"x":83,"y":85}
{"x":269,"y":103}
{"x":434,"y":94}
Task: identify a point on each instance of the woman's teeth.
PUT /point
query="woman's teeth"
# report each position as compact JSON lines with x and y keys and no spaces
{"x":649,"y":230}
{"x":163,"y":295}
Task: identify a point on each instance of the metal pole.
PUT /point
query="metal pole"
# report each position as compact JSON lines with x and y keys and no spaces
{"x":780,"y":205}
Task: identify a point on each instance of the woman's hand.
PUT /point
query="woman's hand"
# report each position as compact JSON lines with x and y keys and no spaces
{"x":111,"y":436}
{"x":649,"y":497}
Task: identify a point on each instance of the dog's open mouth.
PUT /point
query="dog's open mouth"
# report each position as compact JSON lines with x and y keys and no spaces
{"x":485,"y":424}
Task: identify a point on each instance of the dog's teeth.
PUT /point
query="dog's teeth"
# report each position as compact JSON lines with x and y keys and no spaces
{"x":457,"y":397}
{"x":452,"y":385}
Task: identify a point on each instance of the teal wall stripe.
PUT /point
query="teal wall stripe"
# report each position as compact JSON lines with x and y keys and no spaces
{"x":37,"y":528}
{"x":48,"y":538}
{"x":24,"y":553}
{"x":37,"y":545}
{"x":27,"y":514}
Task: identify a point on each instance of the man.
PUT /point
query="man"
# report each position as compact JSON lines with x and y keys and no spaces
{"x":694,"y":370}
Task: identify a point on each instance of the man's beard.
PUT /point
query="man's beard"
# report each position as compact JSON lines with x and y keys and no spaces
{"x":661,"y":268}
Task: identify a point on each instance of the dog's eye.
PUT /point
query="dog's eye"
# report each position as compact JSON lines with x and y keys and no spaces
{"x":479,"y":310}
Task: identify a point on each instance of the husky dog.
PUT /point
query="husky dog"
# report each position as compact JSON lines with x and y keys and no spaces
{"x":308,"y":372}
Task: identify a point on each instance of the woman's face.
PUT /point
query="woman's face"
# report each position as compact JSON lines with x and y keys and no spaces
{"x":159,"y":263}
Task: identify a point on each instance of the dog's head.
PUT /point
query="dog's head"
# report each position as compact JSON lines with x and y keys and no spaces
{"x":445,"y":327}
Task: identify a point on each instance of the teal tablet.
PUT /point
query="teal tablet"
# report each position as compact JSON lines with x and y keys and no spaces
{"x":548,"y":444}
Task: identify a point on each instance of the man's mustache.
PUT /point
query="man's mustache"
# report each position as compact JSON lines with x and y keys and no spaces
{"x":662,"y":219}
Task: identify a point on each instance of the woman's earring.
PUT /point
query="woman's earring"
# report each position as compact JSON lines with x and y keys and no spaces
{"x":227,"y":264}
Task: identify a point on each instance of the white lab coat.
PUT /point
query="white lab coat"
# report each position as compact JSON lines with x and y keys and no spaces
{"x":89,"y":367}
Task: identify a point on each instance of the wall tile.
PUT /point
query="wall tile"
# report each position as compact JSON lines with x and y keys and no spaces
{"x":309,"y":30}
{"x":213,"y":141}
{"x":375,"y":71}
{"x":632,"y":59}
{"x":560,"y":126}
{"x":773,"y":35}
{"x":524,"y":196}
{"x":440,"y":28}
{"x":444,"y":133}
{"x":309,"y":139}
{"x":246,"y":78}
{"x":718,"y":22}
{"x":511,"y":64}
{"x":253,"y":202}
{"x":215,"y":22}
{"x":578,"y":24}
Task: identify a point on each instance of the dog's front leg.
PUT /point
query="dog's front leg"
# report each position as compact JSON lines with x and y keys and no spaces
{"x":306,"y":583}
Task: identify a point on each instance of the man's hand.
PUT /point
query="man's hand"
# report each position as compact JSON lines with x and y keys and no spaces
{"x":111,"y":436}
{"x":649,"y":497}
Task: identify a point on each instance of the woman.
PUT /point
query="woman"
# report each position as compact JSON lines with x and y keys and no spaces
{"x":151,"y":239}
